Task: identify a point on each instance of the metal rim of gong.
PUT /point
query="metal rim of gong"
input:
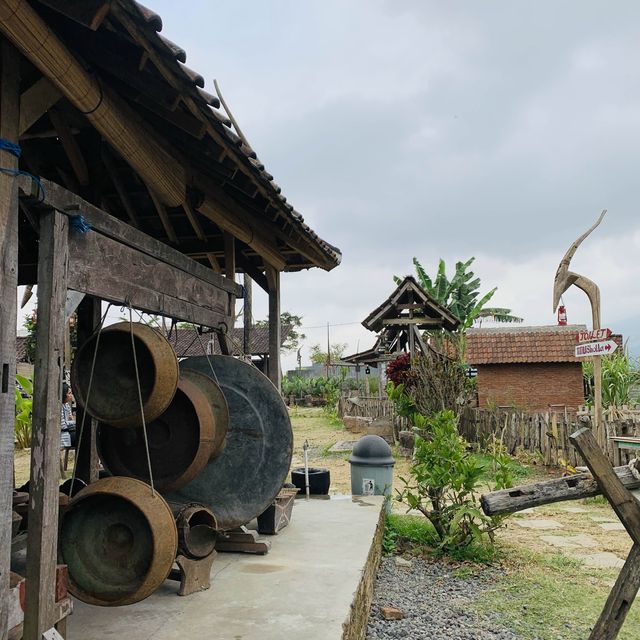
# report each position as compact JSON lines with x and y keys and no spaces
{"x":97,"y":558}
{"x":181,"y":442}
{"x":218,"y":403}
{"x":246,"y":477}
{"x":114,"y":379}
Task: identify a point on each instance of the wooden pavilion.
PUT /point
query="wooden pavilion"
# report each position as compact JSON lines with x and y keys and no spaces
{"x":125,"y":140}
{"x":399,"y":321}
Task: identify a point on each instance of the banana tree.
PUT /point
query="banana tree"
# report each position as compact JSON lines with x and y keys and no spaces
{"x":461,"y":295}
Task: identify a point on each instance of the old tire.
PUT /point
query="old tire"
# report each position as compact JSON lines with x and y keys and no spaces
{"x":319,"y":480}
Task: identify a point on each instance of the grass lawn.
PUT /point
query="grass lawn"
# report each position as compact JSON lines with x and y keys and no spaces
{"x":545,"y":592}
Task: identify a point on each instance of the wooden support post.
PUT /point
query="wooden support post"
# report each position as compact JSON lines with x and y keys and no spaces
{"x":248,"y":301}
{"x":42,"y":540}
{"x":622,"y":501}
{"x":273,"y":278}
{"x":9,"y":119}
{"x":87,"y":452}
{"x":229,"y":272}
{"x":620,"y":599}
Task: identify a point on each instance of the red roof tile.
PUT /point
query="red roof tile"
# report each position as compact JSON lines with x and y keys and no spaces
{"x":522,"y":344}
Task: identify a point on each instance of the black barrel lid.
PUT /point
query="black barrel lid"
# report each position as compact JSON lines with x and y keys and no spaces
{"x":372,"y":451}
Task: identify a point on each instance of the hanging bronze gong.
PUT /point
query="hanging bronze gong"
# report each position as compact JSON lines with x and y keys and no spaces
{"x":181,"y":441}
{"x":245,"y":478}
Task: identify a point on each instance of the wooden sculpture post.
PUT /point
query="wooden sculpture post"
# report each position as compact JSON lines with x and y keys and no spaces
{"x":563,"y":280}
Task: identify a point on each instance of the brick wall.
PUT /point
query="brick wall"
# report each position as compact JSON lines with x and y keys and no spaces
{"x":530,"y":386}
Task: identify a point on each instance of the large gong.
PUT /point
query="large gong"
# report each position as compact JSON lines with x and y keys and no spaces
{"x":242,"y":482}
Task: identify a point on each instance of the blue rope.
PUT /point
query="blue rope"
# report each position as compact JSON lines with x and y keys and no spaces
{"x":79,"y":224}
{"x":15,"y":150}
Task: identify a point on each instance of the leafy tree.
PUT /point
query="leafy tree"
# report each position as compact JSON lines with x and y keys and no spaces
{"x":461,"y":295}
{"x":444,"y":479}
{"x":294,"y":323}
{"x":318,"y":356}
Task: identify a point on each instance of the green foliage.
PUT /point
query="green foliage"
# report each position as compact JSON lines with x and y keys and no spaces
{"x":404,"y":533}
{"x":294,"y":323}
{"x":402,"y":402}
{"x":444,"y":478}
{"x":461,"y":295}
{"x":619,"y":374}
{"x":23,"y":413}
{"x":318,"y":356}
{"x":29,"y":324}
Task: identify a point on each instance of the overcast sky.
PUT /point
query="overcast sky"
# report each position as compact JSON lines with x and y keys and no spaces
{"x":413,"y":128}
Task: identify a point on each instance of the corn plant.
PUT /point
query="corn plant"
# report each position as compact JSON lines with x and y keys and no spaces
{"x":619,"y":375}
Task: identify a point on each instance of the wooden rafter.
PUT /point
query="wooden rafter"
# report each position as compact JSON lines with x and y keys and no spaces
{"x":164,"y":217}
{"x":71,"y":147}
{"x":36,"y":101}
{"x":122,"y":192}
{"x":88,"y":13}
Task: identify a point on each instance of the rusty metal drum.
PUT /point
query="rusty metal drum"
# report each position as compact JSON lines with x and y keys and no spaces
{"x":119,"y":542}
{"x":245,"y":478}
{"x":181,"y":442}
{"x":114,"y":395}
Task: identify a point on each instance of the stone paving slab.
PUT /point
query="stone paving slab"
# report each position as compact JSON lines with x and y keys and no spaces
{"x":574,"y":509}
{"x":342,"y":446}
{"x":581,"y":541}
{"x":612,"y":526}
{"x":530,"y":523}
{"x":602,"y":560}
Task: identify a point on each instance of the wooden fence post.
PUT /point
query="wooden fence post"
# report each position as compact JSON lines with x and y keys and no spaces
{"x":9,"y":123}
{"x":42,"y":539}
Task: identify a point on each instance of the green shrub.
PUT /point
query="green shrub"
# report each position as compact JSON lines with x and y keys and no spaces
{"x":23,"y":413}
{"x":444,"y":479}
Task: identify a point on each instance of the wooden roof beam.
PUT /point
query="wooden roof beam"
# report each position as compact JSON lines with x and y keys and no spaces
{"x":70,"y":145}
{"x":164,"y":218}
{"x":110,"y":115}
{"x":36,"y":101}
{"x":122,"y":192}
{"x":88,"y":13}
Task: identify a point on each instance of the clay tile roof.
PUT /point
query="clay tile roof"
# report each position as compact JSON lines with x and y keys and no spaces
{"x":185,"y":342}
{"x":522,"y":344}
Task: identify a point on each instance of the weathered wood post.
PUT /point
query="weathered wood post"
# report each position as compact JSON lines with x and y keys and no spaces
{"x":9,"y":119}
{"x":87,"y":465}
{"x":273,"y":279}
{"x":42,"y":540}
{"x":248,"y":301}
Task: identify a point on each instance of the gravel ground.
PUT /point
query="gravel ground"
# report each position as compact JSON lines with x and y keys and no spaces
{"x":434,"y":600}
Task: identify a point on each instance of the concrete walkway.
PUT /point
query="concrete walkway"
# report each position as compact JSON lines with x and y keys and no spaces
{"x":303,"y":588}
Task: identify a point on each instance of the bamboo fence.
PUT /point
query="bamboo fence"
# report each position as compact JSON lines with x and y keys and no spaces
{"x":544,"y":434}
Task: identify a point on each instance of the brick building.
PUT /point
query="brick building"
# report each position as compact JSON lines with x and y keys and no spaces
{"x":527,"y":367}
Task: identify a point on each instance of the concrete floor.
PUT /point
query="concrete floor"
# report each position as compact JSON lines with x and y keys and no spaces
{"x":303,"y":588}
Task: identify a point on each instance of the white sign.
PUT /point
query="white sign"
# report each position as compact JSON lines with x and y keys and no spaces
{"x":368,"y":486}
{"x":596,"y":334}
{"x":590,"y":349}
